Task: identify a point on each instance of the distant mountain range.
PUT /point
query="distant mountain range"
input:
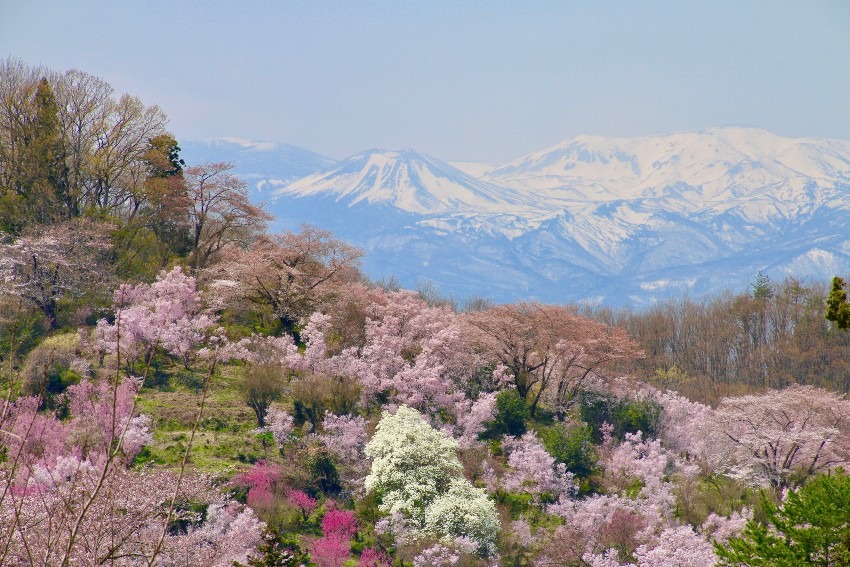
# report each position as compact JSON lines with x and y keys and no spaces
{"x":618,"y":221}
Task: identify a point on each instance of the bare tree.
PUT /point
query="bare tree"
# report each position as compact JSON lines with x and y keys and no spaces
{"x":218,"y":211}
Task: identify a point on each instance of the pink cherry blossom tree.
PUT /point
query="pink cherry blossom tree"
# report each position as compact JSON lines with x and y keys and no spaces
{"x":52,"y":262}
{"x":550,"y":351}
{"x":774,"y":437}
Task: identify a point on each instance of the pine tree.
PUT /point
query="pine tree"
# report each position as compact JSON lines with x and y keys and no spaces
{"x":45,"y":187}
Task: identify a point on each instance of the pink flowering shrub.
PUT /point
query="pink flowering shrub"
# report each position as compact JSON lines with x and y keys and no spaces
{"x":372,"y":557}
{"x":261,"y":480}
{"x":301,"y":500}
{"x":333,"y":548}
{"x":280,"y":424}
{"x":345,"y":436}
{"x":533,"y":469}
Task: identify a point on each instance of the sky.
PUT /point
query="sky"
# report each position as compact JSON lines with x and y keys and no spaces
{"x":459,"y":80}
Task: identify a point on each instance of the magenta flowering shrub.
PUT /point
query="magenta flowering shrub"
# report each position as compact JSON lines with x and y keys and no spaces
{"x":372,"y":557}
{"x":303,"y":501}
{"x":261,"y":480}
{"x":333,"y":548}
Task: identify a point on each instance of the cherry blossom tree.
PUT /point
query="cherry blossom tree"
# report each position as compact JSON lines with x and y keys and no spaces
{"x":166,"y":314}
{"x":65,"y":500}
{"x":49,"y":263}
{"x":64,"y":486}
{"x":346,"y":436}
{"x":280,"y":424}
{"x":780,"y":437}
{"x":293,"y":274}
{"x":414,"y":354}
{"x":549,"y":350}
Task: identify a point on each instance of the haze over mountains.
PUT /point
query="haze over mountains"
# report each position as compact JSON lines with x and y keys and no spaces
{"x":618,"y":221}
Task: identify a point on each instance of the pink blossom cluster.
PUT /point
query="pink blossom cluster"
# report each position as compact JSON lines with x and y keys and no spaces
{"x":165,"y":314}
{"x":675,"y":547}
{"x":280,"y":424}
{"x":230,"y":534}
{"x":413,"y":354}
{"x":333,"y":548}
{"x":303,"y":501}
{"x":346,"y":437}
{"x":533,"y":469}
{"x":261,"y":480}
{"x":473,"y":418}
{"x":641,"y":458}
{"x":372,"y":557}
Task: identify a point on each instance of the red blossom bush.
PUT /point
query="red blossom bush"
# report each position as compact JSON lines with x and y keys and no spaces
{"x":302,"y":501}
{"x":260,"y":479}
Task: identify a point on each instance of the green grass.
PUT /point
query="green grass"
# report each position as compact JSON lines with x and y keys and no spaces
{"x":225,"y":437}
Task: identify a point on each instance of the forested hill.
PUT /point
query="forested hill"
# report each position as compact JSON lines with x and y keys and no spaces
{"x":182,"y":386}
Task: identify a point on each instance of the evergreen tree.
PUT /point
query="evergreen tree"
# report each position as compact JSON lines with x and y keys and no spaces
{"x":837,"y":307}
{"x":812,"y":527}
{"x":762,"y":289}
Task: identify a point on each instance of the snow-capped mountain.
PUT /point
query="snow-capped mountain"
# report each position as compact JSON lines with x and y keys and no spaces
{"x":622,"y":221}
{"x":409,"y":181}
{"x":263,"y":165}
{"x":720,"y":167}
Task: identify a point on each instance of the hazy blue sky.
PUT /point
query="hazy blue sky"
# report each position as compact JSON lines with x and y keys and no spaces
{"x":483,"y":80}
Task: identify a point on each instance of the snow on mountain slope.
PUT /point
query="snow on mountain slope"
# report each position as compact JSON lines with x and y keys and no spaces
{"x":474,"y":168}
{"x":717,"y":166}
{"x":622,"y":221}
{"x":409,"y":181}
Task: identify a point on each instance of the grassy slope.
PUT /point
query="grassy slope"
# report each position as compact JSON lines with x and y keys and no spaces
{"x":225,"y":437}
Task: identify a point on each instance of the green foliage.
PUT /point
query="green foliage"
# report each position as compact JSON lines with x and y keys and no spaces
{"x":573,"y":446}
{"x":672,"y":378}
{"x":511,"y":414}
{"x":323,"y":471}
{"x":187,"y":515}
{"x":837,"y":307}
{"x":626,"y":415}
{"x":517,"y":503}
{"x":812,"y":527}
{"x":46,"y":371}
{"x":279,"y":550}
{"x":762,"y":288}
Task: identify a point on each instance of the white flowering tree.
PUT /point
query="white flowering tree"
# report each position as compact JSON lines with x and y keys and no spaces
{"x":417,"y":474}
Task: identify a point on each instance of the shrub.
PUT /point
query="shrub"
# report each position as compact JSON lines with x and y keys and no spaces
{"x":47,"y":370}
{"x":625,"y":415}
{"x":323,"y":471}
{"x":511,"y":414}
{"x":263,"y":384}
{"x":573,"y":446}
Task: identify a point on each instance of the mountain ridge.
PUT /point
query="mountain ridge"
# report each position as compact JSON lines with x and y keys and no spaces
{"x":620,"y":220}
